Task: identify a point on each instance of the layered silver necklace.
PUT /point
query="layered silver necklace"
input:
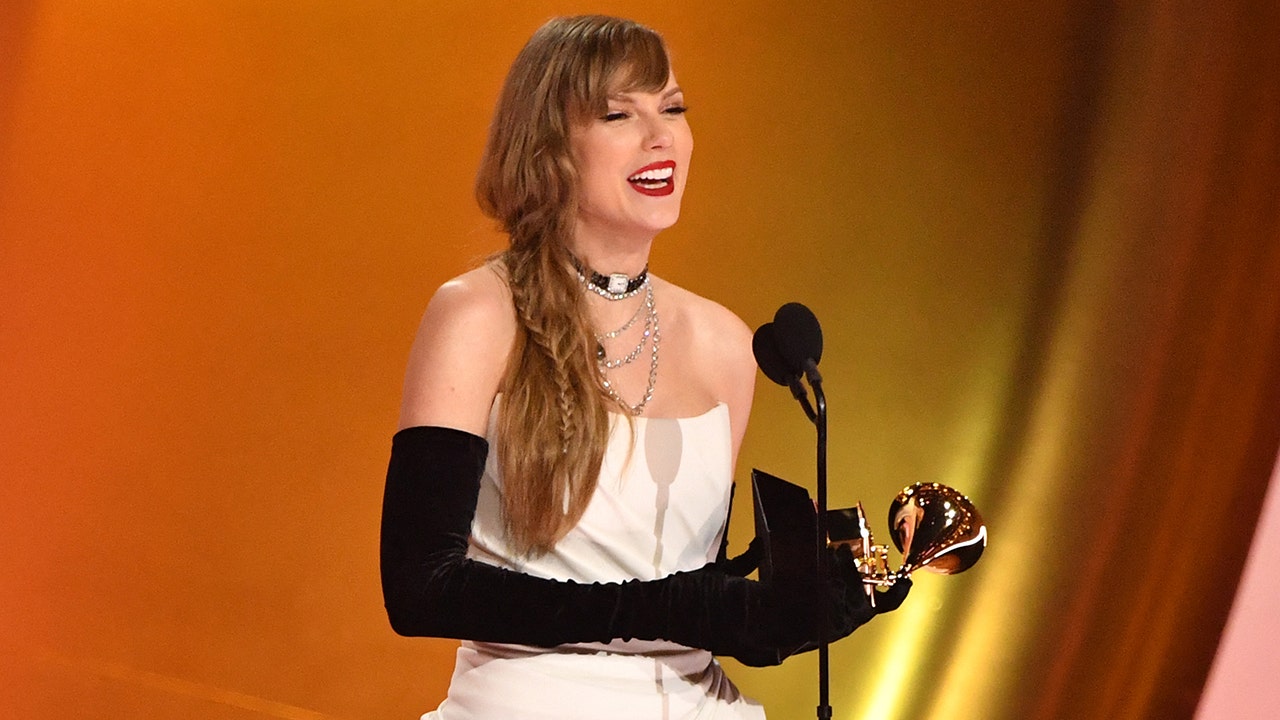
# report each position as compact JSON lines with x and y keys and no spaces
{"x":649,"y":336}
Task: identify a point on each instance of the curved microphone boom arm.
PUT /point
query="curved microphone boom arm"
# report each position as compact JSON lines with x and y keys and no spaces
{"x":786,"y":350}
{"x":824,"y":558}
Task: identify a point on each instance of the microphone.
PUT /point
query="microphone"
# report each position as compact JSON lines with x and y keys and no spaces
{"x":785,"y":349}
{"x":764,"y":345}
{"x":799,"y":339}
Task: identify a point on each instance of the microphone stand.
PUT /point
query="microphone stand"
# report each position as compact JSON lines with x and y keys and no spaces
{"x":824,"y":558}
{"x":802,"y":395}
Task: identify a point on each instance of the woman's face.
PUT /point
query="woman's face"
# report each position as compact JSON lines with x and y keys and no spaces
{"x":632,"y":164}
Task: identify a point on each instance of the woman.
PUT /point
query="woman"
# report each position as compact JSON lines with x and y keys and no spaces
{"x":559,"y":488}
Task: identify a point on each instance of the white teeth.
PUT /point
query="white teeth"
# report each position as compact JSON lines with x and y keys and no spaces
{"x":664,"y":173}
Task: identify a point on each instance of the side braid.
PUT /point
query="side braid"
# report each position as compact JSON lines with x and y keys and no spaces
{"x":552,"y":395}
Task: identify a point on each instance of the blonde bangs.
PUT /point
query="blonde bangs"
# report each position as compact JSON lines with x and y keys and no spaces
{"x":626,"y":58}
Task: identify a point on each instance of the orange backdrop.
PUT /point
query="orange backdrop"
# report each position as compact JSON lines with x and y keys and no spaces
{"x":1041,"y":238}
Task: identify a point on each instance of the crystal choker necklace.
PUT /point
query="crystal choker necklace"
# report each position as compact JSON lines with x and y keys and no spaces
{"x":616,"y":286}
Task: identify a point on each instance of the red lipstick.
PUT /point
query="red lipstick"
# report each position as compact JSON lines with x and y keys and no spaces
{"x":655,"y":179}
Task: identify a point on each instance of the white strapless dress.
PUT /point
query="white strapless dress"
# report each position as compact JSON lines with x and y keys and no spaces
{"x":660,"y":507}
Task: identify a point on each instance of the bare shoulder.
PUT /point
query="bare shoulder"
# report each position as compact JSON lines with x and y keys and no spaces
{"x":459,"y":353}
{"x":717,"y":333}
{"x":480,"y":294}
{"x":719,"y":355}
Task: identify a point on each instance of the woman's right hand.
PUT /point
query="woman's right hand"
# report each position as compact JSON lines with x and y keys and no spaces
{"x":756,"y":623}
{"x":793,"y":619}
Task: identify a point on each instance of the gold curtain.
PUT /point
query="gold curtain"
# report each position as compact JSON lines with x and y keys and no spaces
{"x":1136,"y":448}
{"x":1043,"y":241}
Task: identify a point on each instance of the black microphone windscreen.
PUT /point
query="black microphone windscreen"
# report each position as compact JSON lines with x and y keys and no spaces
{"x":798,"y":335}
{"x":764,"y":345}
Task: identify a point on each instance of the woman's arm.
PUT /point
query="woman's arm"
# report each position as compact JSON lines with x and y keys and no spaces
{"x":459,"y":354}
{"x":431,"y":588}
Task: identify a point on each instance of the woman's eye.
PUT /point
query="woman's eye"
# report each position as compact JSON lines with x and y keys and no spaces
{"x":676,"y":110}
{"x":614,"y":115}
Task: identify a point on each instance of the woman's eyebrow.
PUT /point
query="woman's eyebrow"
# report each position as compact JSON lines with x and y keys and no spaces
{"x":630,"y":96}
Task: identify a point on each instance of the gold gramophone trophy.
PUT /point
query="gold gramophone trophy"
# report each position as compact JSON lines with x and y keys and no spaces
{"x":935,"y":527}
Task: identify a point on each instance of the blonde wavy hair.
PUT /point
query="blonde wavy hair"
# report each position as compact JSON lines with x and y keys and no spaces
{"x":554,"y":418}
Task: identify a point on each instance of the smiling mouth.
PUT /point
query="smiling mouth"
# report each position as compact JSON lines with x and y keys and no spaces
{"x":655,"y":179}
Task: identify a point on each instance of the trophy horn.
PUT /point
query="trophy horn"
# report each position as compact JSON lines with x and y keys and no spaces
{"x":936,"y":528}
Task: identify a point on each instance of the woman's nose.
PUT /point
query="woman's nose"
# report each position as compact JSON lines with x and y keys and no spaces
{"x":660,"y":135}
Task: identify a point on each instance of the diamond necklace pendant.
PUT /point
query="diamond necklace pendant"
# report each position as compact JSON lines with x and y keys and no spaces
{"x":618,"y":283}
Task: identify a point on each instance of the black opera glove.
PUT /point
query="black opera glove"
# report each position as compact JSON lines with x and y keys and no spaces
{"x":430,"y":588}
{"x":850,"y":607}
{"x":740,"y":565}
